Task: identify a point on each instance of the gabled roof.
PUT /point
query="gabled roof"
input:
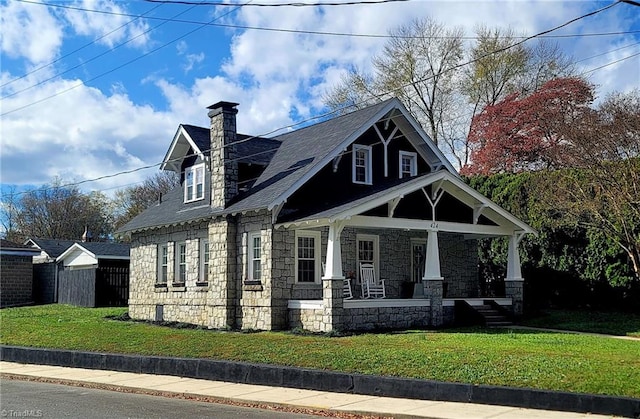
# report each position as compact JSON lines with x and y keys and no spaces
{"x":10,"y":248}
{"x":52,"y":247}
{"x":300,"y":155}
{"x":171,"y":211}
{"x":306,"y":151}
{"x":443,"y":179}
{"x":251,"y":150}
{"x":99,"y":250}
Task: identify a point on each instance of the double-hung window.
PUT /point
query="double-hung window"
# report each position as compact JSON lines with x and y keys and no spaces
{"x":194,"y":183}
{"x":163,"y":263}
{"x":204,"y":262}
{"x":254,"y":258}
{"x":180,"y":263}
{"x":408,"y":164}
{"x":361,"y":164}
{"x":368,"y":251}
{"x":308,"y":256}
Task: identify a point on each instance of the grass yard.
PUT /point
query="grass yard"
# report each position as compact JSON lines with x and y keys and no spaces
{"x":619,"y":324}
{"x":552,"y":361}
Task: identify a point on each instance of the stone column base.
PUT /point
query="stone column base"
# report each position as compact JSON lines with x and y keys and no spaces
{"x":433,"y":289}
{"x":514,"y":289}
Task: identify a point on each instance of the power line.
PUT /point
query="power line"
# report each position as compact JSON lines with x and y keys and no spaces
{"x":94,"y":57}
{"x":291,"y":4}
{"x":307,"y":32}
{"x":608,"y":52}
{"x":336,"y":111}
{"x":116,"y":68}
{"x":81,"y":48}
{"x":611,"y":63}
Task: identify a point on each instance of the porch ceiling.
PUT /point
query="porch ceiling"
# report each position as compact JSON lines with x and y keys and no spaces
{"x":351,"y":214}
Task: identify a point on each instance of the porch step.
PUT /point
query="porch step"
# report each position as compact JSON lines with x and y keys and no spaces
{"x":492,"y":317}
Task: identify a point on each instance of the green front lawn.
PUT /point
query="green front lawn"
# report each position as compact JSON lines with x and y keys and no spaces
{"x":474,"y":355}
{"x":619,"y":324}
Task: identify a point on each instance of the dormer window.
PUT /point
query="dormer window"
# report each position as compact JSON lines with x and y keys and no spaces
{"x":408,"y":164}
{"x":361,"y":164}
{"x":194,"y":183}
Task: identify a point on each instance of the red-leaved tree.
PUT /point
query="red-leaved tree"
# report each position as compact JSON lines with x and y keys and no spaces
{"x":526,"y":132}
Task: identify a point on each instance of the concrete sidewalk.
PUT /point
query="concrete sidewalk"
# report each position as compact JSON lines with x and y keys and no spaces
{"x":258,"y":395}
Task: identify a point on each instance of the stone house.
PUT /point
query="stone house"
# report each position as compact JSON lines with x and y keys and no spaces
{"x":263,"y":233}
{"x":16,"y":274}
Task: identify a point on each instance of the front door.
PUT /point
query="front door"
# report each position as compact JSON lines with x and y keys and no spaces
{"x":418,"y":252}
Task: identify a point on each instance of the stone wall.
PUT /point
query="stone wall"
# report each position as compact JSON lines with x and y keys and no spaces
{"x":307,"y":319}
{"x":459,"y":265}
{"x":16,"y":280}
{"x":187,"y":303}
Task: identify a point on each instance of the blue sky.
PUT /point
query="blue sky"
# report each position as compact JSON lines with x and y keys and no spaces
{"x":89,"y":89}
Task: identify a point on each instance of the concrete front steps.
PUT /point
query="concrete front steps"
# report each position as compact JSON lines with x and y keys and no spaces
{"x":492,"y":316}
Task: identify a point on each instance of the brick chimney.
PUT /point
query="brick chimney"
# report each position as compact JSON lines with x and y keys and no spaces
{"x":224,"y":165}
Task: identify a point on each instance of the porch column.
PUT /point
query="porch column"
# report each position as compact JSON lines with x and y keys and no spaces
{"x":333,"y":281}
{"x":513,"y":283}
{"x":432,"y":279}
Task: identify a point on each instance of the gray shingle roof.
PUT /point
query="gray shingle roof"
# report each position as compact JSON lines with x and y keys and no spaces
{"x":251,"y":150}
{"x":54,"y":247}
{"x":105,"y":250}
{"x":299,"y":152}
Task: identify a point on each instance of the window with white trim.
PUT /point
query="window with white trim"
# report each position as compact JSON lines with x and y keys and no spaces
{"x":361,"y":164}
{"x":194,"y":183}
{"x":408,"y":164}
{"x":180,"y":263}
{"x":163,"y":264}
{"x":204,"y":262}
{"x":254,"y":269}
{"x":367,"y":251}
{"x":307,"y":257}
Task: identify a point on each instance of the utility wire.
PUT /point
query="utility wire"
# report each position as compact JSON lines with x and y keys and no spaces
{"x":336,"y":111}
{"x":82,"y":47}
{"x":291,"y":4}
{"x":307,"y":32}
{"x":611,"y":63}
{"x":116,"y":68}
{"x":174,"y":20}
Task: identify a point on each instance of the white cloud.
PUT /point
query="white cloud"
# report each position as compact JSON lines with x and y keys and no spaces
{"x":107,"y":29}
{"x":29,"y":31}
{"x":278,"y":78}
{"x":81,"y":134}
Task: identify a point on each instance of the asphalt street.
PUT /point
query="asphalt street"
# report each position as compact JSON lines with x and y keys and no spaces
{"x":42,"y":400}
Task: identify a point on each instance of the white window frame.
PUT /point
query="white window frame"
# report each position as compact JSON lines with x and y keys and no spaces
{"x":251,"y":256}
{"x":413,"y":170}
{"x":178,"y":263}
{"x":376,"y":253}
{"x":163,"y":264}
{"x":194,"y":176}
{"x":368,"y":176}
{"x":317,"y":255}
{"x":204,"y":261}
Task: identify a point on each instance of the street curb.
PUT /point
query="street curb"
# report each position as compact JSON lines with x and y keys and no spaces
{"x":272,"y":375}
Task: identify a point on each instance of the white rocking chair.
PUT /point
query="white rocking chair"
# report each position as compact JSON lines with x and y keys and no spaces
{"x":371,"y":288}
{"x":346,"y":292}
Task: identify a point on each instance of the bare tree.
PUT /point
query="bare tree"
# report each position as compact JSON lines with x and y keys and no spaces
{"x":415,"y":66}
{"x":422,"y":65}
{"x":62,"y":212}
{"x":602,"y":190}
{"x":131,"y":201}
{"x":9,"y":209}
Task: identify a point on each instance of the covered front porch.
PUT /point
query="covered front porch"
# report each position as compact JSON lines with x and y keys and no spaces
{"x":421,"y":236}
